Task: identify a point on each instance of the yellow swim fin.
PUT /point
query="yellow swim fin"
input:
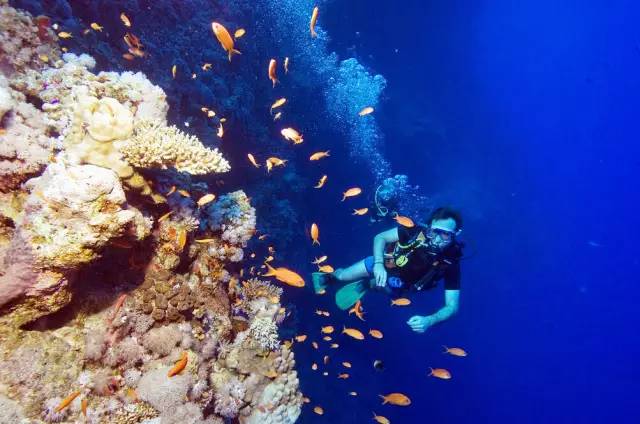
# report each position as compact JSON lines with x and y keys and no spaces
{"x":349,"y":294}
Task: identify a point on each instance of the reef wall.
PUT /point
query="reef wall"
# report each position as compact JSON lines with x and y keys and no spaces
{"x":120,"y":297}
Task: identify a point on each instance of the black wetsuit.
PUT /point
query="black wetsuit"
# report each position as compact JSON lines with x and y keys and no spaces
{"x":425,"y":267}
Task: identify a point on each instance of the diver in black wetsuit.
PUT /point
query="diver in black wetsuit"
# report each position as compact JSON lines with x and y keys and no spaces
{"x":421,"y":256}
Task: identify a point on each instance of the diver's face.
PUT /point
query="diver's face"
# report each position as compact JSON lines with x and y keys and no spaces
{"x":442,"y":232}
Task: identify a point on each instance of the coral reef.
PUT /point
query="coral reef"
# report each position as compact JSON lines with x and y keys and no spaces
{"x":121,"y":291}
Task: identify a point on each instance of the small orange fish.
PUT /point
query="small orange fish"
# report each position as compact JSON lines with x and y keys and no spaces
{"x":66,"y":401}
{"x":224,"y":38}
{"x":315,"y":233}
{"x":286,"y":65}
{"x":211,"y":114}
{"x":285,"y":275}
{"x":306,"y":399}
{"x":439,"y":373}
{"x":239,"y":33}
{"x":325,"y":268}
{"x":318,"y":410}
{"x":174,"y":69}
{"x":352,"y":332}
{"x":117,"y":307}
{"x":403,"y":301}
{"x":171,"y":191}
{"x":314,"y":344}
{"x":319,"y":155}
{"x":327,"y":338}
{"x":325,"y":359}
{"x":343,"y":376}
{"x":184,"y":193}
{"x":277,"y":104}
{"x":207,"y":198}
{"x":205,"y":241}
{"x":314,"y":366}
{"x":357,"y":309}
{"x":96,"y":27}
{"x":272,"y":71}
{"x":277,"y":116}
{"x":398,"y":399}
{"x":64,"y":34}
{"x":128,"y":56}
{"x":367,"y":110}
{"x":253,"y":160}
{"x":292,"y":135}
{"x":346,"y":364}
{"x":125,"y":20}
{"x":380,"y":419}
{"x":268,"y":258}
{"x":404,"y":221}
{"x":328,"y":329}
{"x":301,"y":338}
{"x":376,"y":333}
{"x":353,"y":191}
{"x":353,"y":393}
{"x":334,"y":345}
{"x":361,"y":211}
{"x":319,"y":260}
{"x":321,"y":182}
{"x":83,"y":406}
{"x":131,"y":394}
{"x":182,"y":238}
{"x":454,"y":351}
{"x":179,"y":365}
{"x":312,"y":23}
{"x":220,"y":131}
{"x":274,"y":161}
{"x":206,"y":66}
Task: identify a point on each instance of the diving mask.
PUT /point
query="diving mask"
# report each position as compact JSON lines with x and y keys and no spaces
{"x":440,"y":237}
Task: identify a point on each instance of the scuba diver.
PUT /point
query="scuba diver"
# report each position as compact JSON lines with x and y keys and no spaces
{"x":406,"y":260}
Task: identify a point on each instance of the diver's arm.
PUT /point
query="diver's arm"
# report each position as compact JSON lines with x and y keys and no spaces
{"x":379,"y":242}
{"x":451,"y":302}
{"x":420,"y":324}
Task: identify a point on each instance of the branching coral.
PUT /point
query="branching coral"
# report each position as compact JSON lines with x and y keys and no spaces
{"x":229,"y":397}
{"x":154,"y":145}
{"x":265,"y":333}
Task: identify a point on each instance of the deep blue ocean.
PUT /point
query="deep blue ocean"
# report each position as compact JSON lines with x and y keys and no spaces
{"x":521,"y":115}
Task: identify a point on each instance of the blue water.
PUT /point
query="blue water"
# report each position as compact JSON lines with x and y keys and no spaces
{"x":523,"y":115}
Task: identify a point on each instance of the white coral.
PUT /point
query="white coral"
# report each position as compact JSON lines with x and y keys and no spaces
{"x":264,"y":332}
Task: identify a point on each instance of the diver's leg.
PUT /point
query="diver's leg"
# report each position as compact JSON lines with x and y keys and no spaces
{"x":357,"y":271}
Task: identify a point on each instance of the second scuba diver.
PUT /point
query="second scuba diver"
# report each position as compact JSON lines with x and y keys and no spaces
{"x":420,"y":257}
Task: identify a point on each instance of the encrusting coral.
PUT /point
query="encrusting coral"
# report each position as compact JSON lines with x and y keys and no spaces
{"x":157,"y":325}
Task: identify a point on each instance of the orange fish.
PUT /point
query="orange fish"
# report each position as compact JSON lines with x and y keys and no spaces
{"x":376,"y":333}
{"x":343,"y":376}
{"x":83,"y":406}
{"x":171,"y":191}
{"x":404,"y":221}
{"x":367,"y":110}
{"x":334,"y":345}
{"x":274,"y":161}
{"x":96,"y":27}
{"x":173,"y":71}
{"x":319,"y":260}
{"x":277,"y":104}
{"x":361,"y":211}
{"x":272,"y":72}
{"x":253,"y":160}
{"x":239,"y":33}
{"x":117,"y":307}
{"x":353,"y":393}
{"x":312,"y":24}
{"x":314,"y":366}
{"x":357,"y":309}
{"x":125,"y":20}
{"x":325,"y":268}
{"x":66,"y":401}
{"x":319,"y":155}
{"x":207,"y":198}
{"x":325,"y":359}
{"x":224,"y":38}
{"x":439,"y":373}
{"x":182,"y":238}
{"x":356,"y":334}
{"x":353,"y":191}
{"x":398,"y":399}
{"x":220,"y":131}
{"x":286,"y":65}
{"x":403,"y":301}
{"x":327,"y":329}
{"x":206,"y":66}
{"x":301,"y":338}
{"x":306,"y":399}
{"x":315,"y":233}
{"x":285,"y":275}
{"x":179,"y":365}
{"x":327,"y":338}
{"x":321,"y":182}
{"x":346,"y":364}
{"x":455,"y":351}
{"x":318,"y":410}
{"x":380,"y":419}
{"x":314,"y":344}
{"x":292,"y":135}
{"x":184,"y":193}
{"x":64,"y":34}
{"x":128,"y":56}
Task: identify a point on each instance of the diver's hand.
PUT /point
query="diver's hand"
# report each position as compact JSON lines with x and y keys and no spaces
{"x":420,"y":324}
{"x":380,"y":275}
